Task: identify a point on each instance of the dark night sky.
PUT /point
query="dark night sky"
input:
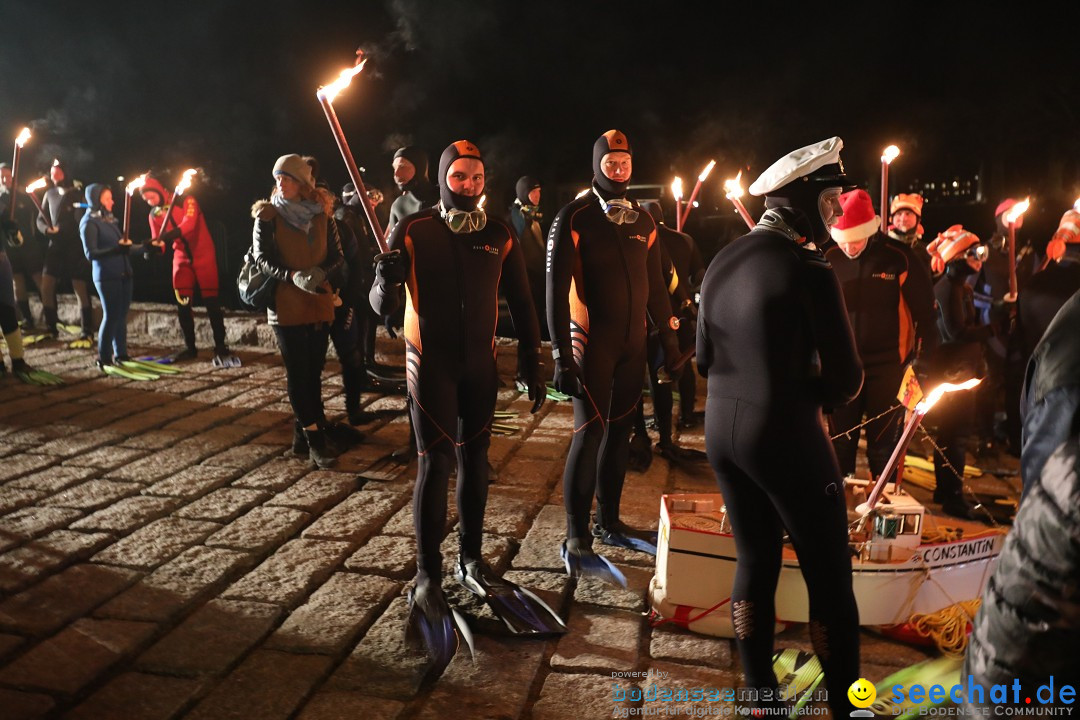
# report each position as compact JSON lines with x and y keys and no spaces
{"x":115,"y":88}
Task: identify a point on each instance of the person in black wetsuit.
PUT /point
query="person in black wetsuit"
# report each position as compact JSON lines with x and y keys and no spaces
{"x":63,"y":253}
{"x":1048,"y":289}
{"x":411,"y":177}
{"x":525,"y":217}
{"x":776,"y":347}
{"x":960,"y":357}
{"x":603,"y":269}
{"x":890,"y":303}
{"x":450,"y":259}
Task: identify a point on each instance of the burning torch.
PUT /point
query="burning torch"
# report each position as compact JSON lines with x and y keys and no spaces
{"x":326,"y":95}
{"x":130,"y":192}
{"x":905,"y":439}
{"x":887,"y":156}
{"x":676,"y":192}
{"x":733,"y":191}
{"x":697,"y":188}
{"x":33,"y":188}
{"x":1012,"y":216}
{"x":20,"y":140}
{"x":180,"y":189}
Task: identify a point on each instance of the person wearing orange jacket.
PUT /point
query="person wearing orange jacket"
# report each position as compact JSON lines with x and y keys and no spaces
{"x":194,"y":266}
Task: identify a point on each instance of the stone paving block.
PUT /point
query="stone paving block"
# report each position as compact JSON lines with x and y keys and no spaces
{"x":31,"y":562}
{"x":92,"y":494}
{"x":357,"y":517}
{"x":345,"y":705}
{"x":600,"y":639}
{"x":402,"y":521}
{"x":261,"y":529}
{"x":17,"y":465}
{"x":388,"y":555}
{"x":128,"y":514}
{"x":682,"y":681}
{"x":257,"y":398}
{"x":39,"y":434}
{"x":9,"y":645}
{"x":266,"y":417}
{"x":316,"y":491}
{"x":287,"y":576}
{"x":244,"y":457}
{"x":496,"y":684}
{"x":79,"y":443}
{"x":594,"y":591}
{"x":193,"y":482}
{"x":211,"y":639}
{"x":382,"y":664}
{"x":25,"y":705}
{"x":545,"y":444}
{"x":32,"y":522}
{"x":137,"y":695}
{"x":674,"y":644}
{"x":335,"y":614}
{"x":76,"y":656}
{"x":63,"y":597}
{"x":267,"y":685}
{"x":540,"y":549}
{"x":204,"y":419}
{"x":508,"y":515}
{"x":160,"y":465}
{"x":54,"y":479}
{"x":222,"y":505}
{"x":530,"y":472}
{"x":495,"y":549}
{"x":275,"y":475}
{"x":156,"y":543}
{"x":153,"y":440}
{"x":106,"y":458}
{"x":214,"y":396}
{"x":13,"y":498}
{"x":196,"y":573}
{"x":581,"y":696}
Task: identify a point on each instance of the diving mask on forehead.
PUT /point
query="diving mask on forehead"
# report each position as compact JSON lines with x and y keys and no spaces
{"x":463,"y":221}
{"x":978,"y":252}
{"x":617,"y":210}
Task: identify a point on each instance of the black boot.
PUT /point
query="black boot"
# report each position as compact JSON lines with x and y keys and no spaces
{"x":299,"y":440}
{"x":187,"y":329}
{"x":26,"y":318}
{"x":87,"y":316}
{"x":320,"y":452}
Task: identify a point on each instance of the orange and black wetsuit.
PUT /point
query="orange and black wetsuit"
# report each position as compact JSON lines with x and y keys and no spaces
{"x":451,"y":284}
{"x":601,"y":279}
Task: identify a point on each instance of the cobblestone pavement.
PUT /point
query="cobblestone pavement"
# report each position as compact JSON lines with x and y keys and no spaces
{"x":161,"y":557}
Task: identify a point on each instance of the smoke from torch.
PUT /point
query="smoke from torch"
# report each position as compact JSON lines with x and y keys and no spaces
{"x":733,"y":191}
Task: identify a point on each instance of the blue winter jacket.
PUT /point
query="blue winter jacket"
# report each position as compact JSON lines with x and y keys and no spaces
{"x":101,"y":239}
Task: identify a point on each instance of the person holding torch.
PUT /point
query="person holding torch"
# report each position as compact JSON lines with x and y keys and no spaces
{"x":194,"y":264}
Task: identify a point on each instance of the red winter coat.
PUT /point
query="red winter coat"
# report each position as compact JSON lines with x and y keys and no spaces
{"x":194,"y":258}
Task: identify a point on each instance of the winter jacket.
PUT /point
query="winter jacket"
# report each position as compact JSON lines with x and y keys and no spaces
{"x":101,"y":236}
{"x":960,"y":355}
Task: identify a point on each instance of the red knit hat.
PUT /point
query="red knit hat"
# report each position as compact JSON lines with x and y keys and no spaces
{"x":858,"y":221}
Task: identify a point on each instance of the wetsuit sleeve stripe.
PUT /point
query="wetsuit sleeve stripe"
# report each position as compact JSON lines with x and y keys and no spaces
{"x":561,"y":258}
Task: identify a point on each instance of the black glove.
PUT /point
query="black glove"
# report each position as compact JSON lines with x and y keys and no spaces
{"x":672,"y":356}
{"x":169,"y":235}
{"x":568,"y":377}
{"x":390,"y":268}
{"x":123,"y":248}
{"x":534,"y":379}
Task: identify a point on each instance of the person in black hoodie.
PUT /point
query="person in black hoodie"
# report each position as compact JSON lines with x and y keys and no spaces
{"x":959,"y":357}
{"x":890,"y":303}
{"x":603,"y":275}
{"x":64,"y":258}
{"x":525,"y":217}
{"x":775,"y":344}
{"x":1049,"y":288}
{"x":411,"y":177}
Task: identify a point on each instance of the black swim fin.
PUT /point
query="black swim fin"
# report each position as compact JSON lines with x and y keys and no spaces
{"x":580,"y":561}
{"x":518,"y":608}
{"x":436,"y":626}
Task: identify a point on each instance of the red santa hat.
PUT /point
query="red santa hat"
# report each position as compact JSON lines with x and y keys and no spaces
{"x":1068,"y":232}
{"x":859,"y":220}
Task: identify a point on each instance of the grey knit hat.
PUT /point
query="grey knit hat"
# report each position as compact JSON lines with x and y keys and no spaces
{"x":294,"y":166}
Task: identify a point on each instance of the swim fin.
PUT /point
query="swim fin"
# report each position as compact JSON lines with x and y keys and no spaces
{"x":580,"y":561}
{"x":518,"y":608}
{"x":226,"y":360}
{"x":27,"y":374}
{"x":619,"y":534}
{"x":151,"y":366}
{"x":126,"y":373}
{"x":436,"y":626}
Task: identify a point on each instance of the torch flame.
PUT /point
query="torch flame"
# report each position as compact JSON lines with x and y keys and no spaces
{"x":889,"y":154}
{"x":708,"y":169}
{"x":1017,"y":210}
{"x":480,"y":202}
{"x":676,"y":188}
{"x":23,"y":137}
{"x":36,"y":185}
{"x":733,"y":187}
{"x":582,"y":194}
{"x":930,"y":400}
{"x":136,"y":184}
{"x":344,"y":78}
{"x":185,"y":181}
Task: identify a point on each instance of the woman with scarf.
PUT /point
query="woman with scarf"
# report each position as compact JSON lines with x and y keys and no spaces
{"x":291,"y":243}
{"x":103,"y":246}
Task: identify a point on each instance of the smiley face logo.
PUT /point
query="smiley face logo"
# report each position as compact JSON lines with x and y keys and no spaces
{"x":862,"y":693}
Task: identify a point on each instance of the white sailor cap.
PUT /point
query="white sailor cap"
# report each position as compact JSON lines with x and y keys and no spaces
{"x":819,"y":163}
